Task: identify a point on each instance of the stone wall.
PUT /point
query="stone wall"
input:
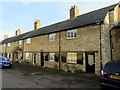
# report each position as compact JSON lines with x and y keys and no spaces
{"x":41,"y":43}
{"x":10,"y":49}
{"x":115,"y":43}
{"x":105,"y":37}
{"x":87,"y":40}
{"x":1,"y":49}
{"x":105,"y":44}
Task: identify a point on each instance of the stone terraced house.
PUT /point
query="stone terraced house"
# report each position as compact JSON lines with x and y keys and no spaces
{"x":81,"y":43}
{"x":0,"y":49}
{"x":115,"y":42}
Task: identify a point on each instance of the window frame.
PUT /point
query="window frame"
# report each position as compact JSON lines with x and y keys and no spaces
{"x":72,"y":34}
{"x":19,"y":55}
{"x":70,"y":55}
{"x":20,"y":42}
{"x":27,"y":56}
{"x":8,"y":44}
{"x":8,"y":55}
{"x":28,"y":41}
{"x":52,"y":36}
{"x":53,"y":56}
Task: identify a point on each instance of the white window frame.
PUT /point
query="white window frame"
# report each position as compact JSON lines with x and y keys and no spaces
{"x":28,"y":40}
{"x":20,"y":42}
{"x":8,"y":55}
{"x":52,"y":36}
{"x":51,"y":56}
{"x":27,"y":55}
{"x":8,"y":44}
{"x":72,"y":57}
{"x":72,"y":34}
{"x":19,"y":55}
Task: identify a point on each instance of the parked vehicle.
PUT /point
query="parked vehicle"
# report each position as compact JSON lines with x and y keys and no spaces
{"x":110,"y":75}
{"x":4,"y":62}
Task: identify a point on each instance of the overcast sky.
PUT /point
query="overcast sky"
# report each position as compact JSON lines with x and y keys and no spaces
{"x":22,"y":13}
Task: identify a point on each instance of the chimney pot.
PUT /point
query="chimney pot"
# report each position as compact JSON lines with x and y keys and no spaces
{"x":5,"y":36}
{"x":37,"y":24}
{"x":74,"y":12}
{"x":17,"y":32}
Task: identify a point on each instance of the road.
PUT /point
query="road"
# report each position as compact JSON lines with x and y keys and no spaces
{"x":12,"y":78}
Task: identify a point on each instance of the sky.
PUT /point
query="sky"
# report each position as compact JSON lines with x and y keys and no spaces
{"x":22,"y":14}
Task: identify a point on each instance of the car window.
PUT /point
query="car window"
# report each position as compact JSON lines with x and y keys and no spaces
{"x":112,"y":67}
{"x":3,"y":59}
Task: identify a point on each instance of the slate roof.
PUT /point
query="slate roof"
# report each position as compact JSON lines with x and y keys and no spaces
{"x":79,"y":21}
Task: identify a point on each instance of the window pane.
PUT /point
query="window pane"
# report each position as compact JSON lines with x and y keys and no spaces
{"x":52,"y":56}
{"x":72,"y":57}
{"x":28,"y":40}
{"x":20,"y":42}
{"x":68,"y":34}
{"x":52,"y":36}
{"x":8,"y":55}
{"x":75,"y":33}
{"x":27,"y":55}
{"x":8,"y":44}
{"x":71,"y":33}
{"x":79,"y":58}
{"x":19,"y":55}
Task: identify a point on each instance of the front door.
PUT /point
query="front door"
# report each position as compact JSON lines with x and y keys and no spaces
{"x":90,"y":62}
{"x":42,"y":59}
{"x":34,"y":62}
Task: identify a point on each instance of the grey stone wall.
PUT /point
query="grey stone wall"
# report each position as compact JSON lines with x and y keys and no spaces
{"x":105,"y":41}
{"x":115,"y":43}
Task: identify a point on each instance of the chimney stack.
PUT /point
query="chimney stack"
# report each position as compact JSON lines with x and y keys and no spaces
{"x":37,"y":24}
{"x":74,"y":12}
{"x":5,"y":36}
{"x":17,"y":32}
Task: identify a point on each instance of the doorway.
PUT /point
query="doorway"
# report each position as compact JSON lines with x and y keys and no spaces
{"x":34,"y":60}
{"x":90,"y":62}
{"x":42,"y":59}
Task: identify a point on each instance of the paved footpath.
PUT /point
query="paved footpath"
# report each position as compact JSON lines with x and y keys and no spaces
{"x":13,"y":78}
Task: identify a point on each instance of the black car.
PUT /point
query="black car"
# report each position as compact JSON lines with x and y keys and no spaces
{"x":110,"y":75}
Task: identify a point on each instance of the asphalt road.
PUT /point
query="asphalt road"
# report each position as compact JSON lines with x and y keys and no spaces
{"x":13,"y":78}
